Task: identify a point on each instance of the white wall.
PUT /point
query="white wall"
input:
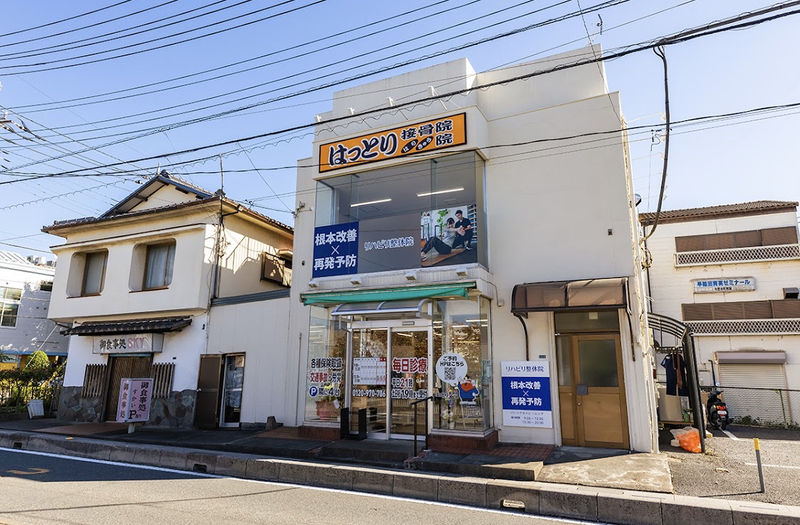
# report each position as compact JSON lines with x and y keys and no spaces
{"x":671,"y":286}
{"x":553,"y":214}
{"x":33,"y":331}
{"x":260,"y":330}
{"x":181,"y":348}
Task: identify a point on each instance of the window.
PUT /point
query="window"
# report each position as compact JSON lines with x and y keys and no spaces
{"x":277,"y":268}
{"x":400,"y":210}
{"x":46,"y":286}
{"x":94,"y":273}
{"x":9,"y":306}
{"x":743,"y":239}
{"x":160,"y":261}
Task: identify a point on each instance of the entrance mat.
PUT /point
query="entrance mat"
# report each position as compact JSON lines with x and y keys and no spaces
{"x":647,"y":472}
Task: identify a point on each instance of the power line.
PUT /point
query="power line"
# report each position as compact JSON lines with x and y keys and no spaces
{"x":64,"y":20}
{"x":150,"y":131}
{"x":305,"y":71}
{"x":117,"y":34}
{"x":683,"y":36}
{"x":163,"y":46}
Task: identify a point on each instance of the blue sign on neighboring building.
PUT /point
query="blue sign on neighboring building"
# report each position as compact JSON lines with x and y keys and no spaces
{"x":526,"y":394}
{"x":335,"y":250}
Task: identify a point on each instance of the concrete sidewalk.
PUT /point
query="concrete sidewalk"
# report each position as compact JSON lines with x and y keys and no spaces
{"x":299,"y":461}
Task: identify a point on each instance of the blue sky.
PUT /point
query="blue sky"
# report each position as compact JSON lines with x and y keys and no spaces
{"x":733,"y":161}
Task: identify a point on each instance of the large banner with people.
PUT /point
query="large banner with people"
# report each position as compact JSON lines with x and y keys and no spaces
{"x":448,"y":236}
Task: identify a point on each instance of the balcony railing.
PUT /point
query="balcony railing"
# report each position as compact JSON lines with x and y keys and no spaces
{"x":745,"y":326}
{"x":781,"y":252}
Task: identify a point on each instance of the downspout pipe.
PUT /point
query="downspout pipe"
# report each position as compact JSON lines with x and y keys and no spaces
{"x":525,"y":329}
{"x":694,"y":393}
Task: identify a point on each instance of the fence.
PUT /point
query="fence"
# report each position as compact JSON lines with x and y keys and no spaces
{"x":761,"y":406}
{"x":14,"y":395}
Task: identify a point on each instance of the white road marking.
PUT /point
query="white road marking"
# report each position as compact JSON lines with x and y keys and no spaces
{"x":730,"y":435}
{"x":773,"y":466}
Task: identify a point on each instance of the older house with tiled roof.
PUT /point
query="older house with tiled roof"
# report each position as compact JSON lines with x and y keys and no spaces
{"x":731,"y":273}
{"x":181,"y":286}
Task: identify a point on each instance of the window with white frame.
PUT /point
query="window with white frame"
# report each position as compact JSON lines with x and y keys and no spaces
{"x":159,"y":266}
{"x":94,"y":272}
{"x":9,"y":306}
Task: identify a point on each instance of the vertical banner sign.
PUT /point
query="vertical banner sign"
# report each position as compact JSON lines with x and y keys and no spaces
{"x":134,"y":400}
{"x":335,"y":250}
{"x":526,"y":394}
{"x":429,"y":135}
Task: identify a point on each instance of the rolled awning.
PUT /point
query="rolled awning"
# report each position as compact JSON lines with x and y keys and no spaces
{"x":569,"y":295}
{"x":160,"y":325}
{"x":388,"y":294}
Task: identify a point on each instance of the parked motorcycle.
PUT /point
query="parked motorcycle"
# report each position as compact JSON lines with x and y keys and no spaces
{"x":717,"y":411}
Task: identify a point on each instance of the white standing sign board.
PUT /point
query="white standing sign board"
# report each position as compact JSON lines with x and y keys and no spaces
{"x":134,"y":400}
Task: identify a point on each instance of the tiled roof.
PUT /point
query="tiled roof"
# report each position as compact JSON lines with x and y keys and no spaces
{"x":725,"y":210}
{"x":164,"y":324}
{"x":93,"y":220}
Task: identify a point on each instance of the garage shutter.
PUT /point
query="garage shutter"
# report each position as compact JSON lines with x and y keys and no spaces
{"x":740,"y":383}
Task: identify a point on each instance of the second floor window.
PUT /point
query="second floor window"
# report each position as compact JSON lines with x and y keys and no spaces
{"x":160,"y":262}
{"x":94,"y":273}
{"x":9,"y":306}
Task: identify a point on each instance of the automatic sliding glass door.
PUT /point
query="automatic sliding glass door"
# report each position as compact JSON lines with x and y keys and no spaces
{"x":370,"y":351}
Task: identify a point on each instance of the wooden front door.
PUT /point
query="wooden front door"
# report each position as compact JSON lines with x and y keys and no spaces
{"x":119,"y":368}
{"x":592,"y":391}
{"x":209,"y":385}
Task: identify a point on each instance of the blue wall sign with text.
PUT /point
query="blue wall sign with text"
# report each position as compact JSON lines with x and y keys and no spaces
{"x":335,"y":250}
{"x":526,"y":394}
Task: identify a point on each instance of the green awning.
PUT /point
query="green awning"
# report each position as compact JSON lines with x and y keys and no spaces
{"x":388,"y":294}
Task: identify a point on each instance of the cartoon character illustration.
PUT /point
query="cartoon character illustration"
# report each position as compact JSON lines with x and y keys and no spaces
{"x":467,"y":391}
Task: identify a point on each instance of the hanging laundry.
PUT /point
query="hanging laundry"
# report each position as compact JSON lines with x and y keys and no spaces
{"x":675,"y":366}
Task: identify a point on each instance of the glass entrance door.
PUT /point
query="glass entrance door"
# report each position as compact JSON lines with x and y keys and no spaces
{"x":409,"y":381}
{"x":389,"y":371}
{"x":370,"y":351}
{"x":233,"y":381}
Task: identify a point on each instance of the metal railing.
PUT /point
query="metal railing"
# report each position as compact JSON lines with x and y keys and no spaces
{"x":738,"y":255}
{"x":415,"y":404}
{"x":761,"y":406}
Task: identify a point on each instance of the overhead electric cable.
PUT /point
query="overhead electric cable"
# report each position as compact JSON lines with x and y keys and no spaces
{"x":64,"y":20}
{"x":149,"y":131}
{"x":162,"y":46}
{"x":117,"y":34}
{"x":683,"y":36}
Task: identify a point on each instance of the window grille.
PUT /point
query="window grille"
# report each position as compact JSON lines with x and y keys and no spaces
{"x":94,"y":379}
{"x":753,"y":326}
{"x":738,"y":255}
{"x":163,"y":374}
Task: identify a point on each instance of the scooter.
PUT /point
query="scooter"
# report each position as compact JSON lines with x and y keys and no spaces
{"x":717,"y":411}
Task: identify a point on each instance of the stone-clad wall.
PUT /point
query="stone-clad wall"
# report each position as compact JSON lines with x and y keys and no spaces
{"x":175,"y":411}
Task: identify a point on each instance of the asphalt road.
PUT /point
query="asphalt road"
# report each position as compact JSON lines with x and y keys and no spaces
{"x":45,"y":489}
{"x":728,"y":470}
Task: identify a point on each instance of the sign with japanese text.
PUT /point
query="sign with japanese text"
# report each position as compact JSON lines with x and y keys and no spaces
{"x":335,"y":250}
{"x":134,"y":400}
{"x":526,"y":394}
{"x":369,"y":371}
{"x":398,"y":142}
{"x":127,"y":343}
{"x":728,"y":284}
{"x":325,"y":377}
{"x":451,"y":368}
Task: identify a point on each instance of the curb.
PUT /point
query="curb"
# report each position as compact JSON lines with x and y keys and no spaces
{"x":621,"y":507}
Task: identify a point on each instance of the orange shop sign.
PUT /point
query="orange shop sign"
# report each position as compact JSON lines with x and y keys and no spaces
{"x":430,"y":135}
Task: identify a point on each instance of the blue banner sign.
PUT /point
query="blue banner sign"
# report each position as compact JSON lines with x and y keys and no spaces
{"x":526,"y":394}
{"x":335,"y":250}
